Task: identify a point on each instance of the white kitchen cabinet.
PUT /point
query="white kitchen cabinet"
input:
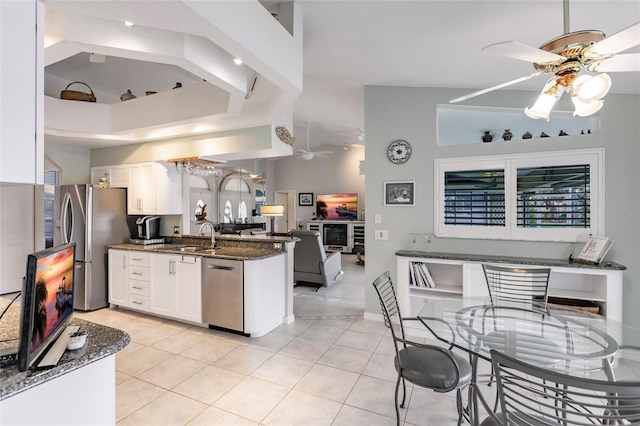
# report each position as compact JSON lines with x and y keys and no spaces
{"x":119,"y":277}
{"x":141,"y":193}
{"x":189,"y":288}
{"x":139,"y":280}
{"x":154,"y":188}
{"x":22,"y":88}
{"x":163,"y":284}
{"x":176,"y":286}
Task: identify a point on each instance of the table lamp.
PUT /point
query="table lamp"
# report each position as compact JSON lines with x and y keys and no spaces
{"x":272,"y":211}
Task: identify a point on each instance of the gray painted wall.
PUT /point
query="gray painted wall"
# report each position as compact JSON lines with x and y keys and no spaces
{"x":410,"y":113}
{"x":338,"y":173}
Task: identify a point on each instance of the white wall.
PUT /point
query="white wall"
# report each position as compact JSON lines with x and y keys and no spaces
{"x":410,"y":113}
{"x":339,"y":173}
{"x":73,"y":162}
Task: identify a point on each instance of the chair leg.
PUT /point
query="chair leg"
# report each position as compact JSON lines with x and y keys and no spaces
{"x":404,"y":392}
{"x":459,"y":405}
{"x":396,"y":400}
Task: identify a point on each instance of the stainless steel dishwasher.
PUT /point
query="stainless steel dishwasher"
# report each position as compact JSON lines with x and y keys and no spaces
{"x":223,"y":293}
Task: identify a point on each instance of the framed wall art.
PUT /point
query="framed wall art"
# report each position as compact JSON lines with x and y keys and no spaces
{"x":305,"y":199}
{"x":399,"y":193}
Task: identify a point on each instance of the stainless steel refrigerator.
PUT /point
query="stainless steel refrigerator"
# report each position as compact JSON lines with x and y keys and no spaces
{"x":94,"y":218}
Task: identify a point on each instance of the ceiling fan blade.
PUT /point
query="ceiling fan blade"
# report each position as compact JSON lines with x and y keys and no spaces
{"x":619,"y":41}
{"x":323,"y":152}
{"x":499,"y":86}
{"x":620,"y":63}
{"x":513,"y":49}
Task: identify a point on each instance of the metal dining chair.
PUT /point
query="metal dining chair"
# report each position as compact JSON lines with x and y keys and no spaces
{"x":429,"y":366}
{"x":520,"y":285}
{"x":532,"y":395}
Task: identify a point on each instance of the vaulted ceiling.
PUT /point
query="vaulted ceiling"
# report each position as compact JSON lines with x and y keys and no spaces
{"x":346,"y":45}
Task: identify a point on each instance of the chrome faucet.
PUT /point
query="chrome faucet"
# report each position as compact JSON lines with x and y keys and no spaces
{"x":213,"y":236}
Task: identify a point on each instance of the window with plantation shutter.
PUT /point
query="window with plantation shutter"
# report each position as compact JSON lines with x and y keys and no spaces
{"x":474,"y":198}
{"x":553,"y":196}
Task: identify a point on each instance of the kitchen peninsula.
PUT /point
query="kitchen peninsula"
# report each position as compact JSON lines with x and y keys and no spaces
{"x":244,"y":284}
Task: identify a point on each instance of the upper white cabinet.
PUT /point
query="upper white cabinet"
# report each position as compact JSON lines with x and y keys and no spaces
{"x":22,"y":88}
{"x":154,"y":188}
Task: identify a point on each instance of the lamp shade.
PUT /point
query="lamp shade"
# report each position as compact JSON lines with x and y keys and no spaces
{"x":585,"y":109}
{"x":272,"y":210}
{"x":545,"y":102}
{"x":592,"y":88}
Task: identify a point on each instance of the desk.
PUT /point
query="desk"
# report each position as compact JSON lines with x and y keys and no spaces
{"x":574,"y":343}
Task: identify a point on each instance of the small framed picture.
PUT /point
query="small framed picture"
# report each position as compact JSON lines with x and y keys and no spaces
{"x":399,"y":193}
{"x":305,"y":199}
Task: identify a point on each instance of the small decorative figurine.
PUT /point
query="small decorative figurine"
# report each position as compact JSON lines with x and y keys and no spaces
{"x":527,"y":136}
{"x":487,"y":137}
{"x":507,"y":135}
{"x":544,"y":135}
{"x":563,"y":133}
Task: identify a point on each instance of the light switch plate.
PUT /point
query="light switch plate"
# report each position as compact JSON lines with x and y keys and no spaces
{"x":377,"y":218}
{"x":381,"y":234}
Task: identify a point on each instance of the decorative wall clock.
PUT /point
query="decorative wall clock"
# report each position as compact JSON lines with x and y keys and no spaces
{"x":399,"y":151}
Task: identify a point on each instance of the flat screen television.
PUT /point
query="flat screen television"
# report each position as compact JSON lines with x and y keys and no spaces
{"x":47,"y":301}
{"x":337,"y":206}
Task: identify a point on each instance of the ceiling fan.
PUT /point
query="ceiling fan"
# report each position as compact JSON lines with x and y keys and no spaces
{"x":566,"y":56}
{"x":307,"y":154}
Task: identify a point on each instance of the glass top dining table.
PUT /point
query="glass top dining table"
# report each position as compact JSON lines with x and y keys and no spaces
{"x":572,"y":342}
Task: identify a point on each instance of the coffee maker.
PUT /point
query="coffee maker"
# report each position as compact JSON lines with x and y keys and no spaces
{"x":148,"y":230}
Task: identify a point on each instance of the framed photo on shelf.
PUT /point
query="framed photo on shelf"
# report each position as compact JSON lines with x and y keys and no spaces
{"x":399,"y":193}
{"x":305,"y":199}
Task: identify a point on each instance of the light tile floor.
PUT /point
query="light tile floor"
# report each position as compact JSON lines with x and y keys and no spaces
{"x":329,"y":367}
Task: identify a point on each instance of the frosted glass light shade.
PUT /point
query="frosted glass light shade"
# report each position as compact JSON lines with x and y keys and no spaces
{"x":542,"y":107}
{"x":592,"y":88}
{"x":273,"y":210}
{"x":585,"y":109}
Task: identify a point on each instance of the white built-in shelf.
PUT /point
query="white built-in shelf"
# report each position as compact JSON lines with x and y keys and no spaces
{"x":461,"y":125}
{"x":441,"y":288}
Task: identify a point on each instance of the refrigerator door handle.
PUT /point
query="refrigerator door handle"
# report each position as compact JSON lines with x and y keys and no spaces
{"x":66,"y":211}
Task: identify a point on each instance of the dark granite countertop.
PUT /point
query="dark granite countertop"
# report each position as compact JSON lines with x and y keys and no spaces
{"x":565,"y":263}
{"x":102,"y":342}
{"x":232,"y":253}
{"x":233,"y":247}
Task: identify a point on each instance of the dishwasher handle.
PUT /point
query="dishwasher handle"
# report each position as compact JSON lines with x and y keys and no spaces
{"x":224,"y":268}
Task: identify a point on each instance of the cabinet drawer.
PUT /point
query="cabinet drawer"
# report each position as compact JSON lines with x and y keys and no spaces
{"x":138,"y":258}
{"x":139,"y":287}
{"x":138,"y":273}
{"x":139,"y":302}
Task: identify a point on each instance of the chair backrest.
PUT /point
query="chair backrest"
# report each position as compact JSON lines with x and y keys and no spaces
{"x":534,"y":395}
{"x":308,"y":252}
{"x":389,"y":305}
{"x":517,"y":284}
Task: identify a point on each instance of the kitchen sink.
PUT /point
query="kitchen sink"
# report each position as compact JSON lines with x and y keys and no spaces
{"x":189,"y":248}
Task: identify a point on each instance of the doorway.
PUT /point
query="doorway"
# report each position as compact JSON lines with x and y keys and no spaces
{"x":287,"y":221}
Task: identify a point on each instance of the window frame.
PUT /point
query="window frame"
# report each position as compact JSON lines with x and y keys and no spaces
{"x":510,"y":164}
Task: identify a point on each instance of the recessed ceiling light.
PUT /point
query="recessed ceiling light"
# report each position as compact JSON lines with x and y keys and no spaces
{"x":237,"y":61}
{"x":129,"y":24}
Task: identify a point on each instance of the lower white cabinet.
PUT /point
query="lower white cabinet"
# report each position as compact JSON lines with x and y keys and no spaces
{"x":176,"y":286}
{"x":163,"y":284}
{"x":119,"y":277}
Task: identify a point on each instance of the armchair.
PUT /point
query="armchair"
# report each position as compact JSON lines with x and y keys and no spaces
{"x":311,"y":263}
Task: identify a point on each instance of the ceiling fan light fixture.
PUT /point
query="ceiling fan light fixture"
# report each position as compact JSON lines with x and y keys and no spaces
{"x":545,"y":102}
{"x":592,"y":88}
{"x":307,"y":156}
{"x":585,"y":109}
